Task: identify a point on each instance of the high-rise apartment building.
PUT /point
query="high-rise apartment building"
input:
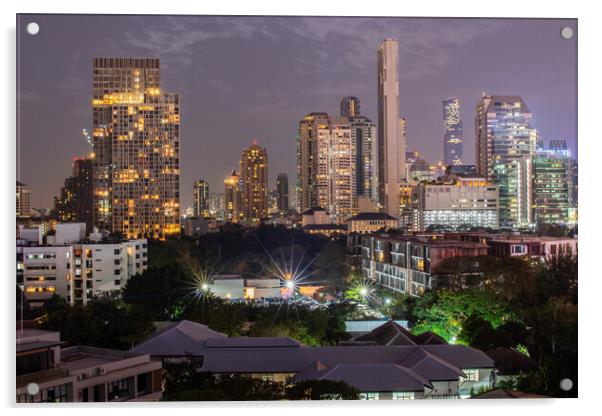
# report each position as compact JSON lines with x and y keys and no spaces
{"x":233,"y":197}
{"x":282,"y":192}
{"x":391,"y":147}
{"x":340,"y":158}
{"x":136,"y":138}
{"x":327,"y":163}
{"x":363,"y":135}
{"x":254,"y":179}
{"x":307,"y":161}
{"x":75,"y":202}
{"x":201,"y":198}
{"x":350,"y":107}
{"x":452,"y":132}
{"x":23,"y":200}
{"x":505,"y":146}
{"x":550,"y":190}
{"x":216,"y":205}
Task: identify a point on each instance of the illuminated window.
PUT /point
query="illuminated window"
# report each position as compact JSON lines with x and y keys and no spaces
{"x":400,"y":395}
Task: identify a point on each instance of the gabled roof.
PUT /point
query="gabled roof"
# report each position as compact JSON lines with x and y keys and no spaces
{"x":432,"y":367}
{"x":373,"y":377}
{"x":253,"y":342}
{"x":297,"y":359}
{"x":178,"y":339}
{"x":391,"y":333}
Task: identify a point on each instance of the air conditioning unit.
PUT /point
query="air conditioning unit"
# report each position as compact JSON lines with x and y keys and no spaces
{"x":102,"y":370}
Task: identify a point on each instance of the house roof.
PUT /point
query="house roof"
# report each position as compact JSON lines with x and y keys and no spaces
{"x":324,"y":227}
{"x":442,"y":359}
{"x":391,"y":333}
{"x":362,"y":216}
{"x":178,"y":339}
{"x":371,"y":377}
{"x":253,"y":342}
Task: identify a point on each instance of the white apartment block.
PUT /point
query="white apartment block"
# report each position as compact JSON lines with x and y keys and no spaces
{"x":465,"y":201}
{"x":80,"y":271}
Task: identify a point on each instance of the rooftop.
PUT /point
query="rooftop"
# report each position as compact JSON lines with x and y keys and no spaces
{"x":363,"y":216}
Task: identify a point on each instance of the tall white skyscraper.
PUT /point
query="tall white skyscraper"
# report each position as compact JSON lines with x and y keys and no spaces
{"x":391,"y":145}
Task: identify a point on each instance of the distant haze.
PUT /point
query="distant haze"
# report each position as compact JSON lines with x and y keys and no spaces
{"x":244,"y":78}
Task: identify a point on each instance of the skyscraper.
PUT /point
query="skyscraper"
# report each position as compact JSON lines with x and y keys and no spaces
{"x":363,"y":135}
{"x":350,"y":107}
{"x":201,"y":198}
{"x":550,"y":190}
{"x":254,"y":178}
{"x":84,"y":207}
{"x":136,"y":133}
{"x":282,"y":192}
{"x":452,"y":132}
{"x":307,"y":160}
{"x":327,"y":164}
{"x":233,"y":197}
{"x":23,"y":200}
{"x":391,"y":148}
{"x":505,"y":147}
{"x":340,"y":159}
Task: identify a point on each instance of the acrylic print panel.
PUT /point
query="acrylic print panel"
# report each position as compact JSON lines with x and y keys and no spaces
{"x":295,"y":208}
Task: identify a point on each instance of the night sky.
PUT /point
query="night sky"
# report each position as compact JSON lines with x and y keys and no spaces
{"x":245,"y":78}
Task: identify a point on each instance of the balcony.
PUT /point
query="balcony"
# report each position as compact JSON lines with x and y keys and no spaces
{"x":42,"y":376}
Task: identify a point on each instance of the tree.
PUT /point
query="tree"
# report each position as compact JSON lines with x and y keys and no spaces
{"x":331,"y":265}
{"x":321,"y":390}
{"x":445,"y":312}
{"x":102,"y":322}
{"x":160,"y":291}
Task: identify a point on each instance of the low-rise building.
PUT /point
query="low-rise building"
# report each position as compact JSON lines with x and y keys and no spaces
{"x":404,"y":263}
{"x":81,"y":374}
{"x":371,"y":222}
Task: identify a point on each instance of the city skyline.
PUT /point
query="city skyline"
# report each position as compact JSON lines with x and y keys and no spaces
{"x":207,"y":131}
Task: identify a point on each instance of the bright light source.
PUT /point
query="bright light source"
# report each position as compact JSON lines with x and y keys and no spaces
{"x":290,"y":284}
{"x":363,"y":291}
{"x":387,"y":301}
{"x":204,"y":286}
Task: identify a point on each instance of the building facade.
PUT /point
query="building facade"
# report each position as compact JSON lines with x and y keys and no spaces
{"x":75,"y":202}
{"x":391,"y":144}
{"x":136,"y":135}
{"x":254,"y":179}
{"x":405,"y":264}
{"x":452,"y":132}
{"x":505,"y":147}
{"x":82,"y":374}
{"x":282,"y":192}
{"x":350,"y":107}
{"x":307,"y":163}
{"x":201,"y":198}
{"x":80,"y":271}
{"x":461,"y":202}
{"x":363,"y":135}
{"x":23,"y":200}
{"x":233,"y":198}
{"x":550,"y":190}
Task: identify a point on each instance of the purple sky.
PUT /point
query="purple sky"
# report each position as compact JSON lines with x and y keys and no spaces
{"x":244,"y":78}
